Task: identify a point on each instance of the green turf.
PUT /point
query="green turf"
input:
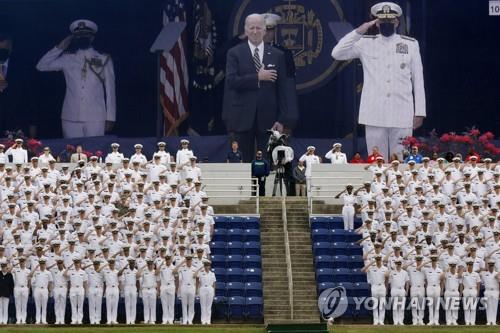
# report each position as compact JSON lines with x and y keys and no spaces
{"x":139,"y":329}
{"x":412,"y":329}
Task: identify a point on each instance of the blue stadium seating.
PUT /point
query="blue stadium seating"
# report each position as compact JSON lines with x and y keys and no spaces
{"x":251,"y":235}
{"x":252,"y":261}
{"x":235,"y":289}
{"x":362,"y":289}
{"x":220,"y":274}
{"x":235,"y":235}
{"x":236,"y":307}
{"x":253,"y":289}
{"x":220,"y":235}
{"x":320,"y":235}
{"x":234,"y":248}
{"x":324,"y":275}
{"x":341,"y":275}
{"x":218,"y":261}
{"x":324,"y":261}
{"x":341,"y":261}
{"x":220,"y":288}
{"x":218,"y":248}
{"x":251,"y":222}
{"x":234,"y":261}
{"x":234,"y":274}
{"x":325,"y":285}
{"x":254,"y":307}
{"x":251,"y":248}
{"x":339,"y":248}
{"x":253,"y":275}
{"x":321,"y":249}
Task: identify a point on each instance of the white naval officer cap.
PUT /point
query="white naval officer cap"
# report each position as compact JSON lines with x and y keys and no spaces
{"x":83,"y":26}
{"x":386,"y":10}
{"x":161,"y":143}
{"x":337,"y":144}
{"x":114,"y":144}
{"x":138,"y":146}
{"x":311,"y":148}
{"x":271,"y":20}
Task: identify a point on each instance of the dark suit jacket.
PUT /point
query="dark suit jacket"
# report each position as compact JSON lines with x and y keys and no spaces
{"x":245,"y":100}
{"x":16,"y":102}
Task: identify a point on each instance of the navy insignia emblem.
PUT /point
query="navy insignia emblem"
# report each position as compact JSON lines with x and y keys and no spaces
{"x":402,"y":48}
{"x":386,"y":9}
{"x":81,"y":25}
{"x":403,"y":65}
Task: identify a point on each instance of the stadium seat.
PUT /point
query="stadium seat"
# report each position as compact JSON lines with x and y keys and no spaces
{"x":323,"y":262}
{"x":320,"y":235}
{"x":235,"y":235}
{"x":351,"y":236}
{"x":218,"y":248}
{"x":235,"y":289}
{"x":253,"y":275}
{"x":354,"y":249}
{"x":253,"y":289}
{"x":362,"y":289}
{"x":220,"y":274}
{"x":234,"y":275}
{"x":341,"y":261}
{"x":254,"y":307}
{"x":219,"y":235}
{"x":324,"y":285}
{"x":357,"y":222}
{"x":341,"y":275}
{"x":356,"y":261}
{"x":220,"y":289}
{"x":251,"y":222}
{"x":234,"y":248}
{"x":251,"y":235}
{"x":218,"y":261}
{"x":221,"y":222}
{"x":235,"y":222}
{"x":348,"y":286}
{"x":357,"y":275}
{"x":252,"y":248}
{"x":338,"y":235}
{"x":220,"y":308}
{"x":236,"y":307}
{"x":321,"y":249}
{"x":324,"y":275}
{"x":234,"y":261}
{"x":252,"y":261}
{"x":339,"y":248}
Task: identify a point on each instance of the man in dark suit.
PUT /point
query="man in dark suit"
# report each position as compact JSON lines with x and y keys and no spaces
{"x":255,"y":89}
{"x":16,"y":107}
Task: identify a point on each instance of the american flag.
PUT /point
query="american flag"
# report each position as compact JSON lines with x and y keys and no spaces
{"x":174,"y":79}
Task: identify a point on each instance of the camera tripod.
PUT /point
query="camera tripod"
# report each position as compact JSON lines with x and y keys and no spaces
{"x":279,"y":179}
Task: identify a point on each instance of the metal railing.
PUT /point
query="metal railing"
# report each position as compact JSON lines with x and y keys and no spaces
{"x":287,"y":254}
{"x":248,"y":188}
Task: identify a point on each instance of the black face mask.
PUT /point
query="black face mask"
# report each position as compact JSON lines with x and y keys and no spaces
{"x":81,"y":43}
{"x":4,"y":55}
{"x":387,"y":29}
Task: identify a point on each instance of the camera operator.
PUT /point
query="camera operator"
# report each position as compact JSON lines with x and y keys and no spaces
{"x":260,"y":170}
{"x":281,"y":157}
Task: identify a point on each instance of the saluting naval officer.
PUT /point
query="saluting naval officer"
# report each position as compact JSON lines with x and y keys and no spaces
{"x":89,"y":106}
{"x":393,"y":97}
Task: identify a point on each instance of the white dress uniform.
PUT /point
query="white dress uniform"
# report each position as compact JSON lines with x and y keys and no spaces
{"x":398,"y":280}
{"x":21,"y":292}
{"x":433,"y":278}
{"x":451,"y":294}
{"x":60,"y":293}
{"x":392,"y":75}
{"x":417,"y":291}
{"x":95,"y":284}
{"x":167,"y":293}
{"x":336,"y":157}
{"x":114,"y":157}
{"x":348,"y":210}
{"x":89,"y":102}
{"x":491,"y":289}
{"x":129,"y":280}
{"x":112,"y":294}
{"x":148,"y":289}
{"x":77,"y":278}
{"x":207,"y":292}
{"x":470,"y":296}
{"x":379,"y":290}
{"x":19,"y":155}
{"x":187,"y":281}
{"x":40,"y":283}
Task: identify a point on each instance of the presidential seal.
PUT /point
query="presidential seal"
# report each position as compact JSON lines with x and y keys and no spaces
{"x":303,"y":30}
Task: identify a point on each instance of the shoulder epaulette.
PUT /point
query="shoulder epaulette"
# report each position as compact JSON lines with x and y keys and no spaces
{"x":370,"y":36}
{"x":408,"y":38}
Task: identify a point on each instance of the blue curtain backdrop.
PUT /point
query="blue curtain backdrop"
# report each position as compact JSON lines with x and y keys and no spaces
{"x":458,"y":44}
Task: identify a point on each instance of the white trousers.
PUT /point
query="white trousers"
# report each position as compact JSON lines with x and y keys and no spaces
{"x":206,"y":300}
{"x":4,"y":310}
{"x":112,"y":295}
{"x":60,"y":295}
{"x":417,"y":310}
{"x":95,"y":305}
{"x":469,"y":297}
{"x":434,"y":293}
{"x":187,"y":299}
{"x":398,"y":306}
{"x":130,"y":294}
{"x":387,"y":139}
{"x":167,"y":295}
{"x":149,"y":302}
{"x":21,"y":301}
{"x":491,"y":306}
{"x":41,"y":295}
{"x":451,"y":297}
{"x":80,"y":129}
{"x":76,"y":297}
{"x":348,"y":216}
{"x":379,"y":293}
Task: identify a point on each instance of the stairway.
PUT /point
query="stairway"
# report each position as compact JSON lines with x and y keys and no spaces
{"x":274,"y":269}
{"x":305,"y":303}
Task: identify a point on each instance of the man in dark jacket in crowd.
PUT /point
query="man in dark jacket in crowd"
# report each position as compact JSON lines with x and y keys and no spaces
{"x":6,"y":291}
{"x":299,"y":174}
{"x":260,"y":170}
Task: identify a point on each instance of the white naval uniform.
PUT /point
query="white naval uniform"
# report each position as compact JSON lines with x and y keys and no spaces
{"x":21,"y":293}
{"x":112,"y":294}
{"x":470,"y":296}
{"x":433,"y":278}
{"x":398,"y":281}
{"x":114,"y":157}
{"x":60,"y":293}
{"x":148,"y":289}
{"x":491,"y":289}
{"x":77,"y":278}
{"x":129,"y":280}
{"x":19,"y":155}
{"x":207,"y":292}
{"x":40,"y":283}
{"x":336,"y":157}
{"x":451,"y":294}
{"x":88,"y":102}
{"x":167,"y":293}
{"x":348,"y":210}
{"x":377,"y":281}
{"x":393,"y":75}
{"x":417,"y":291}
{"x":95,"y":288}
{"x":187,"y":281}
